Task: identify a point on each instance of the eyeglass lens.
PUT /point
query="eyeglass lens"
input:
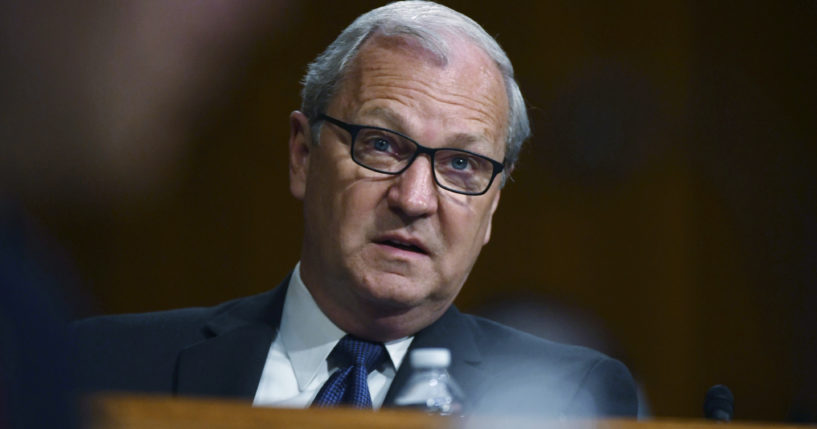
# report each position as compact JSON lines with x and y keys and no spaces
{"x":389,"y":152}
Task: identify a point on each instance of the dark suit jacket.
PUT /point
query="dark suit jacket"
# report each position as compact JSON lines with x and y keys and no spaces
{"x":221,"y":351}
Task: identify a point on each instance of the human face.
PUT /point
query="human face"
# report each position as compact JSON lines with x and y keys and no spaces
{"x":384,"y":256}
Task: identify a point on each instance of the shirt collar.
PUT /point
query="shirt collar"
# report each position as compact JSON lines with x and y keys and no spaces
{"x":308,"y":349}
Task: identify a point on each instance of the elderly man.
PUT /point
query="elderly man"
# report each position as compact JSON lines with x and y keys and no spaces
{"x":411,"y":122}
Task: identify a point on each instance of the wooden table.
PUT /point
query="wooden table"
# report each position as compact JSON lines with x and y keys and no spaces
{"x":116,"y":411}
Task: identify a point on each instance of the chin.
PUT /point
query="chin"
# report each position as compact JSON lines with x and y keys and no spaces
{"x":398,"y":321}
{"x":394,"y":292}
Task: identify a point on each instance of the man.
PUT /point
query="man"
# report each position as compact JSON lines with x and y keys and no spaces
{"x":411,"y":122}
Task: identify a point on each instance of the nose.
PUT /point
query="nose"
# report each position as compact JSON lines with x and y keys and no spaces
{"x":414,"y":191}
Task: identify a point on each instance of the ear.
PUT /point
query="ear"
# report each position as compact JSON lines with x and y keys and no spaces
{"x":494,"y":205}
{"x":300,"y":147}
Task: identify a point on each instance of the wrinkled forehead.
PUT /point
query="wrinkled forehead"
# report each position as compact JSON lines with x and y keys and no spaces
{"x":435,"y":46}
{"x":465,"y":70}
{"x":440,"y":50}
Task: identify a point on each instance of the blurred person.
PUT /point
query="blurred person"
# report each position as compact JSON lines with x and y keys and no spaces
{"x":98,"y":101}
{"x":410,"y":124}
{"x":554,"y":319}
{"x":36,"y":387}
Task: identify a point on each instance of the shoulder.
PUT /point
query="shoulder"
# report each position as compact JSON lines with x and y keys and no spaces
{"x":151,"y":326}
{"x":582,"y":381}
{"x":499,"y":341}
{"x":138,"y":352}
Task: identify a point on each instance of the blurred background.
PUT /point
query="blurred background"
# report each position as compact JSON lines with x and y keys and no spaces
{"x":664,"y":210}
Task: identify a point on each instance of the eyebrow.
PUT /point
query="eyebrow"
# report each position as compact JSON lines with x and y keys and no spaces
{"x":392,"y":119}
{"x":459,"y":140}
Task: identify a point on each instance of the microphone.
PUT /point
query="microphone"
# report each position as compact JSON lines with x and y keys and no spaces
{"x":719,"y":403}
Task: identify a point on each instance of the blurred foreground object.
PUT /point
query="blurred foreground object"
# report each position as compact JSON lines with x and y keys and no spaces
{"x":101,"y":98}
{"x":719,"y":403}
{"x":430,"y":387}
{"x":157,"y":412}
{"x":36,"y":388}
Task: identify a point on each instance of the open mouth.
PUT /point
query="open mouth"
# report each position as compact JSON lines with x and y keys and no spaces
{"x":403,"y":246}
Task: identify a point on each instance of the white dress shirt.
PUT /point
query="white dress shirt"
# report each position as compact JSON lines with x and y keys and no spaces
{"x":296,"y":365}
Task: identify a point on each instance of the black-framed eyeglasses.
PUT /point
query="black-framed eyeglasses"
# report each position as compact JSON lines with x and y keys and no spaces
{"x":389,"y":152}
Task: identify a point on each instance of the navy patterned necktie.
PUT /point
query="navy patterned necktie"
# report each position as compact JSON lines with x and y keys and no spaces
{"x":355,"y":358}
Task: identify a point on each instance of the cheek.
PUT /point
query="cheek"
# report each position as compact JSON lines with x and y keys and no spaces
{"x":321,"y":206}
{"x":356,"y":210}
{"x":464,"y":226}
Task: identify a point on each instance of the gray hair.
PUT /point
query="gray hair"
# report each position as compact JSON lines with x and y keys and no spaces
{"x":428,"y":23}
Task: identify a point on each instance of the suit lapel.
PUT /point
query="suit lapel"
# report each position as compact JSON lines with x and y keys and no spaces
{"x":451,"y":331}
{"x":230,"y":360}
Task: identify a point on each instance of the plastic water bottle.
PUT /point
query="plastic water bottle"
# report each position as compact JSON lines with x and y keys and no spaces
{"x":430,"y":388}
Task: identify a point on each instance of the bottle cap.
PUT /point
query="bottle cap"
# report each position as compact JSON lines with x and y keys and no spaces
{"x":430,"y":358}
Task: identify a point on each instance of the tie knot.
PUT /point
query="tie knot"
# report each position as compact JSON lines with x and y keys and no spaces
{"x":355,"y":359}
{"x":351,"y":350}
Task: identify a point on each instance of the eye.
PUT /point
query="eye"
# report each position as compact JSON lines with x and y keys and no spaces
{"x":381,"y":145}
{"x":459,"y":163}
